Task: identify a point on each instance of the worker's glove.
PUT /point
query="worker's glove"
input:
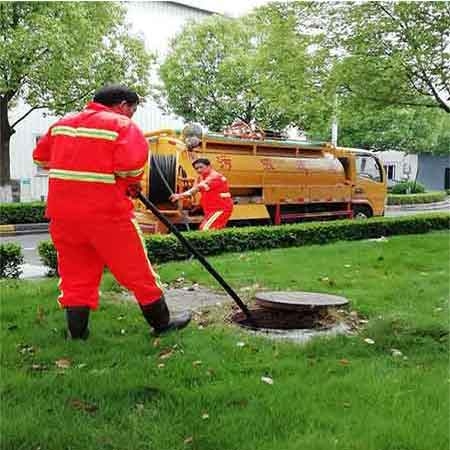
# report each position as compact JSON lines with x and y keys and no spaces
{"x":175,"y":197}
{"x":134,"y":189}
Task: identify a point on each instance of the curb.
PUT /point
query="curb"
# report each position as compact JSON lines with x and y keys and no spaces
{"x":419,"y":206}
{"x":23,"y":228}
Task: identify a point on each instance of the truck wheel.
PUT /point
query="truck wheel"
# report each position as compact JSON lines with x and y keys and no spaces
{"x":362,"y":212}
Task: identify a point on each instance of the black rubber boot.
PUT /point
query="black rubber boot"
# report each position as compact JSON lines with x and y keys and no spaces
{"x":77,"y":322}
{"x":158,"y":316}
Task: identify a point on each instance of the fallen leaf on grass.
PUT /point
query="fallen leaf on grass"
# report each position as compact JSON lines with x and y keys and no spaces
{"x":81,"y":405}
{"x":156,"y":342}
{"x":166,"y":353}
{"x":38,"y":367}
{"x":380,"y":239}
{"x":328,"y":280}
{"x":63,"y":363}
{"x":81,"y":366}
{"x":344,"y":362}
{"x":188,"y":440}
{"x":205,"y":416}
{"x":346,"y":405}
{"x":161,"y":366}
{"x":369,"y":341}
{"x":245,"y":289}
{"x":396,"y":353}
{"x":267,"y":380}
{"x":240,"y":344}
{"x":25,"y":349}
{"x":197,"y":363}
{"x":139,"y":407}
{"x":210,"y":372}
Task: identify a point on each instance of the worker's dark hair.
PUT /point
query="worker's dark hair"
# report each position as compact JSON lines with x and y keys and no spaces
{"x":113,"y":94}
{"x":204,"y":161}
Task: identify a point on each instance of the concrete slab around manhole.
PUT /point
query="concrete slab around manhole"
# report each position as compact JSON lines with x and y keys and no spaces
{"x":180,"y":299}
{"x":302,"y":336}
{"x":297,"y":300}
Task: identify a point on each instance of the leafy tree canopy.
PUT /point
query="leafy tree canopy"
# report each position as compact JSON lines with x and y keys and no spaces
{"x":382,"y":68}
{"x":55,"y":54}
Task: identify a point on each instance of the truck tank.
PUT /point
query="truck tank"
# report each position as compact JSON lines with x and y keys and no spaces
{"x":270,"y":180}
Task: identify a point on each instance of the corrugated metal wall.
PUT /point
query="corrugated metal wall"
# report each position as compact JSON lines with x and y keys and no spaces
{"x":432,"y":170}
{"x":157,"y":22}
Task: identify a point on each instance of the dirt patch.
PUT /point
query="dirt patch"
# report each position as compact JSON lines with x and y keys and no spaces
{"x":192,"y":298}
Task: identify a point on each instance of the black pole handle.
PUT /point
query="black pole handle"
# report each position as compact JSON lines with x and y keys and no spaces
{"x":229,"y":290}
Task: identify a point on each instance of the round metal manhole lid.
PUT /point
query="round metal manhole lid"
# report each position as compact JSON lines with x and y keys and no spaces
{"x":297,"y":300}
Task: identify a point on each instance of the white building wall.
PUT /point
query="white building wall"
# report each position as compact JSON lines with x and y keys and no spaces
{"x":157,"y":22}
{"x":404,"y":165}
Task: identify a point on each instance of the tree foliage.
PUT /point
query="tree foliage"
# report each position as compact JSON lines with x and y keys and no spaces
{"x":390,"y":73}
{"x":395,"y":53}
{"x":381,"y":67}
{"x":255,"y":68}
{"x":55,"y":54}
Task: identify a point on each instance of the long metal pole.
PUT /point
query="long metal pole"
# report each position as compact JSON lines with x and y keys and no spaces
{"x":228,"y":289}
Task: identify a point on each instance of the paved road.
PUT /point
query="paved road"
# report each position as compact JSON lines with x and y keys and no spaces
{"x":30,"y":242}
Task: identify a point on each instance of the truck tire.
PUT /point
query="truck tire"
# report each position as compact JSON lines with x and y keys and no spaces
{"x":362,"y":212}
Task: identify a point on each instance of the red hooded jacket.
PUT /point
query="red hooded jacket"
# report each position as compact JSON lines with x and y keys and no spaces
{"x":92,"y":157}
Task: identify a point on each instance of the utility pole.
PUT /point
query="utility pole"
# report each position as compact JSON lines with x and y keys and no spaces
{"x":334,"y":123}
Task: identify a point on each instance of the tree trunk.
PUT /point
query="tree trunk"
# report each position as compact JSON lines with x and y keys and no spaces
{"x":5,"y":137}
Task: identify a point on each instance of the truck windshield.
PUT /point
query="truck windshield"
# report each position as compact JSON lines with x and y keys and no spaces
{"x":368,"y":167}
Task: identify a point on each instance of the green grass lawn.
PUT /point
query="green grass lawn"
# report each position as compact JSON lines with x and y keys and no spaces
{"x":115,"y":391}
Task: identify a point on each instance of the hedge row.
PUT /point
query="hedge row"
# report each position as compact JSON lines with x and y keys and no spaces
{"x":13,"y":213}
{"x":11,"y":259}
{"x":411,"y":199}
{"x":408,"y":187}
{"x":163,"y":248}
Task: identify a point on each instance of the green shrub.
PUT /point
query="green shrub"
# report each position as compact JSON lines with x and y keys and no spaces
{"x":447,"y":191}
{"x":163,"y":248}
{"x":48,"y":256}
{"x":11,"y":259}
{"x":13,"y":213}
{"x":408,"y":187}
{"x":411,"y":199}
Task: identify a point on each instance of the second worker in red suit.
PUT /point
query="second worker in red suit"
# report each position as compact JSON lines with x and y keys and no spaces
{"x":215,"y":200}
{"x":95,"y":160}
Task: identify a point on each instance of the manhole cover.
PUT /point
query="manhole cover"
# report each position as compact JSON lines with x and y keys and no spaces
{"x":293,"y":310}
{"x":298,"y":301}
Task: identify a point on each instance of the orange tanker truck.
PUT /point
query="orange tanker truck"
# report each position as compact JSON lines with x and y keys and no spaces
{"x":271,"y":181}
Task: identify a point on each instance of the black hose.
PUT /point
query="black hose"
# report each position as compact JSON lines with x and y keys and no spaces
{"x":228,"y":289}
{"x":169,"y":162}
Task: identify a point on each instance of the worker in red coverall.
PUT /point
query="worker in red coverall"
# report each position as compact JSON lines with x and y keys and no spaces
{"x":95,"y":160}
{"x":216,"y":198}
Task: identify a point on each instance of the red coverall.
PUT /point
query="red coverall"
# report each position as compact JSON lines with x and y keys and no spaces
{"x":216,"y":201}
{"x":92,"y":158}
